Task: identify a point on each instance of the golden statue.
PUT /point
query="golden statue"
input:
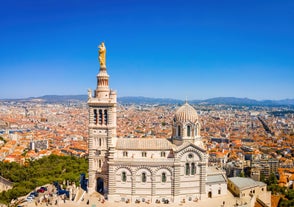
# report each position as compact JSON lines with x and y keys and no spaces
{"x":102,"y":55}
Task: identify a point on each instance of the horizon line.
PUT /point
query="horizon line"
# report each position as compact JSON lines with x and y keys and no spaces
{"x":134,"y":96}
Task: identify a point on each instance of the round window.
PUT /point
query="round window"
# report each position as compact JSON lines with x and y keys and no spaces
{"x":190,"y":156}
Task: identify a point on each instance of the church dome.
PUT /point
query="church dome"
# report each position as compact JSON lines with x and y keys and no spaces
{"x":186,"y":113}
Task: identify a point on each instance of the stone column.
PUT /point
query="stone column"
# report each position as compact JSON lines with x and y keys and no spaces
{"x":202,"y":179}
{"x":91,"y":182}
{"x":153,"y":186}
{"x":133,"y":191}
{"x":176,"y":183}
{"x":110,"y":179}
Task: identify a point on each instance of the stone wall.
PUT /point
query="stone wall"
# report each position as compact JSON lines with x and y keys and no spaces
{"x":5,"y":184}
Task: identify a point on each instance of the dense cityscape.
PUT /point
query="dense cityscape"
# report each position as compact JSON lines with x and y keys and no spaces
{"x":93,"y":109}
{"x":34,"y":129}
{"x":250,"y":141}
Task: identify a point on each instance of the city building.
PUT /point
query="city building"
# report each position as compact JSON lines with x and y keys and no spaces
{"x":266,"y":166}
{"x":247,"y":187}
{"x":149,"y":170}
{"x":39,"y":144}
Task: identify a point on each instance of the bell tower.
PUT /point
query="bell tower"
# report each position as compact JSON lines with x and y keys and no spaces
{"x":102,"y":127}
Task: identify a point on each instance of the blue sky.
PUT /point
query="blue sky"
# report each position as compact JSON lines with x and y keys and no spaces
{"x":169,"y":49}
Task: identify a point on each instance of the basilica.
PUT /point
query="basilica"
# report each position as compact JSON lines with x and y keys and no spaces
{"x":150,"y":170}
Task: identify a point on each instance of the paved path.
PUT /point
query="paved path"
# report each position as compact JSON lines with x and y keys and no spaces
{"x":94,"y":201}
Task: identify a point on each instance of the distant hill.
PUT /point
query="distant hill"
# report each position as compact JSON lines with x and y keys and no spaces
{"x":147,"y":100}
{"x":245,"y":101}
{"x":63,"y":98}
{"x":51,"y":99}
{"x":230,"y":101}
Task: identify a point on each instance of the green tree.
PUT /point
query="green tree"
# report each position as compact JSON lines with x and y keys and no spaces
{"x":40,"y":172}
{"x":262,"y":178}
{"x":242,"y":174}
{"x":272,"y":179}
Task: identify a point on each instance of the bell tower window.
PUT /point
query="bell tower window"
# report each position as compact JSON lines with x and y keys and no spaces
{"x":100,"y":117}
{"x":95,"y":116}
{"x":105,"y":117}
{"x":179,"y":131}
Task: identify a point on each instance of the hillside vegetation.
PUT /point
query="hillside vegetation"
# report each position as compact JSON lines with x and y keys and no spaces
{"x":40,"y":172}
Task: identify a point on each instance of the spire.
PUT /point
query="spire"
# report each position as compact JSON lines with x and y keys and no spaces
{"x":102,"y":78}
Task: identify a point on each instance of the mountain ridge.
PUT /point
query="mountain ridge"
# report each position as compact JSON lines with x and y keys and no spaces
{"x":149,"y":100}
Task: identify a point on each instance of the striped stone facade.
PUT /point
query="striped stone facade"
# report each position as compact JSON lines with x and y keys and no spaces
{"x":169,"y":161}
{"x":140,"y":169}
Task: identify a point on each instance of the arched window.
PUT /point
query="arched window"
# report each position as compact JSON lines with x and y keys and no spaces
{"x":163,"y":177}
{"x":95,"y":116}
{"x":187,"y":169}
{"x":100,"y":116}
{"x":105,"y":117}
{"x":193,"y":169}
{"x":100,"y":142}
{"x":99,"y":163}
{"x":125,"y":153}
{"x":179,"y":131}
{"x":123,"y":176}
{"x":188,"y":131}
{"x":144,"y":177}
